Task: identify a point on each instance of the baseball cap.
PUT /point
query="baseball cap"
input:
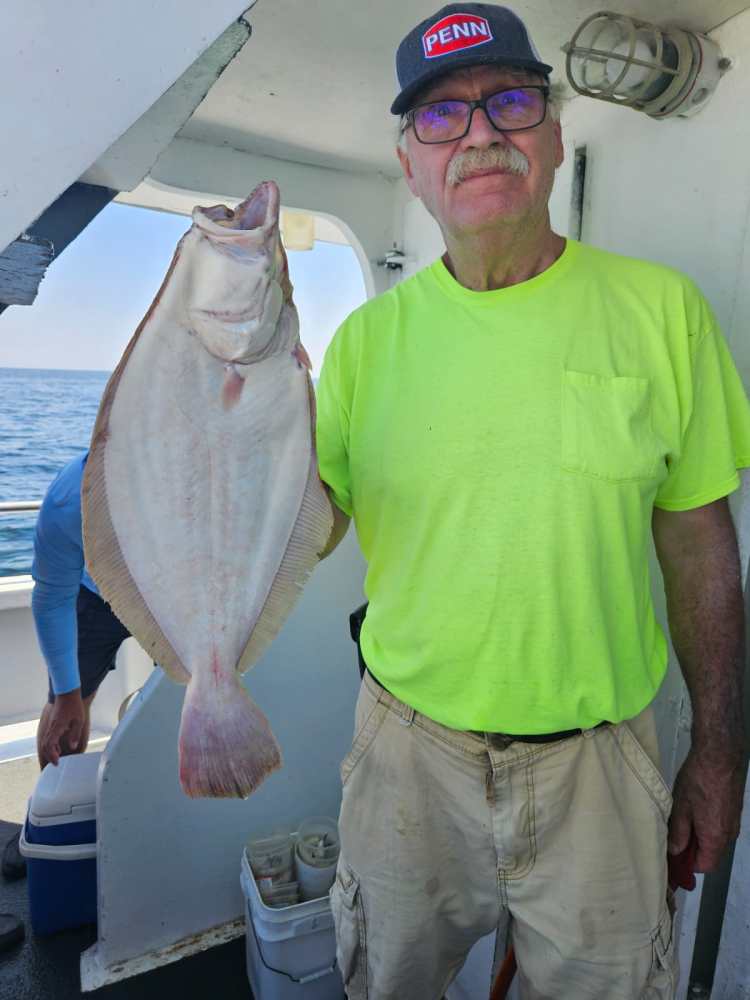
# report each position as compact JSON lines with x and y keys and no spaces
{"x":462,"y":34}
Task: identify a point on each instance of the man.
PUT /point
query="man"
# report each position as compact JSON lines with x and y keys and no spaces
{"x":506,"y":427}
{"x":78,"y":634}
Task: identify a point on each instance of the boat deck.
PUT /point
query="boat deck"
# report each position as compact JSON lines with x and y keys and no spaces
{"x":48,"y":968}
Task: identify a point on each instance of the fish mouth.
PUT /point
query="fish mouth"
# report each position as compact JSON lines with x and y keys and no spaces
{"x":260,"y":208}
{"x":258,"y":212}
{"x":232,"y":318}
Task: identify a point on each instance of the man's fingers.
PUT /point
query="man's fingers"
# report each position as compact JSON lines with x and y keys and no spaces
{"x":57,"y":737}
{"x":52,"y":750}
{"x":74,"y":734}
{"x":680,"y":828}
{"x":713,"y":840}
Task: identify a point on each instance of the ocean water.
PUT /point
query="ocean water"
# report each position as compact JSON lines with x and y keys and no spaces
{"x":46,"y":418}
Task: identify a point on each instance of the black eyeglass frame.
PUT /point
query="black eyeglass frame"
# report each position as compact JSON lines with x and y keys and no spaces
{"x":408,"y":120}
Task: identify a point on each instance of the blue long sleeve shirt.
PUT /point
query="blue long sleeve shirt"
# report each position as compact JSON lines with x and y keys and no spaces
{"x":58,"y":571}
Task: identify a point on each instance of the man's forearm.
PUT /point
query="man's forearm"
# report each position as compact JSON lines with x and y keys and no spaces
{"x":707,"y":630}
{"x":54,"y":612}
{"x":706,"y":621}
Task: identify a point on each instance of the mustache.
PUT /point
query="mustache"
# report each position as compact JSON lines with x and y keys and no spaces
{"x":474,"y":161}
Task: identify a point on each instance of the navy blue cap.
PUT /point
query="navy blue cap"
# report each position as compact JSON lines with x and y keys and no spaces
{"x":462,"y":34}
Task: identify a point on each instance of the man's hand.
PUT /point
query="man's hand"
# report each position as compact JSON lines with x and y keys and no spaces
{"x":708,"y":794}
{"x":64,"y":728}
{"x":340,"y":524}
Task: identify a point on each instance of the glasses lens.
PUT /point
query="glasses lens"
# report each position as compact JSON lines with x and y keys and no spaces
{"x":440,"y":121}
{"x":523,"y":107}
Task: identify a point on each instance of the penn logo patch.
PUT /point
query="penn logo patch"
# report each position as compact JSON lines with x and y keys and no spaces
{"x":455,"y":32}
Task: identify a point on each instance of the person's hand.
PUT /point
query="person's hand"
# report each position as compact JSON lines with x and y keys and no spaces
{"x":65,"y":727}
{"x":708,"y":794}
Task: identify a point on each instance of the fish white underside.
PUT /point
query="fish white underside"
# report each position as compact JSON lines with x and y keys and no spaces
{"x":205,"y":512}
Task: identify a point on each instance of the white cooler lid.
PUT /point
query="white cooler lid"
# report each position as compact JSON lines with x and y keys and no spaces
{"x":66,"y":792}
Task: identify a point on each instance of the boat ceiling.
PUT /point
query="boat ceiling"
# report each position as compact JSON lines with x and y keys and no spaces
{"x":314,"y":82}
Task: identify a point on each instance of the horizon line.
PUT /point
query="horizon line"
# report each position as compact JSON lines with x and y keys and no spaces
{"x":29,"y":368}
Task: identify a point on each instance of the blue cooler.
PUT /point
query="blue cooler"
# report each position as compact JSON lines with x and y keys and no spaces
{"x":59,"y":844}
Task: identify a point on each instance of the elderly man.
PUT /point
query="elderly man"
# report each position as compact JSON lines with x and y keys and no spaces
{"x":506,"y":427}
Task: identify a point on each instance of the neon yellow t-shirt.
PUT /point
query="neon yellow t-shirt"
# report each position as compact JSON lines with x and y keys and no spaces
{"x":501,"y":453}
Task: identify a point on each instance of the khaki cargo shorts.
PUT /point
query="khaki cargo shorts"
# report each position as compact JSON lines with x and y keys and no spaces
{"x":447,"y":835}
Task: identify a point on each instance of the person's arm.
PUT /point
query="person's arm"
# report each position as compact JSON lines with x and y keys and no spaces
{"x":53,"y":606}
{"x":340,"y":525}
{"x":697,"y":550}
{"x":57,"y":570}
{"x":54,"y":611}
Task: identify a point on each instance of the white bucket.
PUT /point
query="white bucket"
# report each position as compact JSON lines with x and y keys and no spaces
{"x":290,"y":951}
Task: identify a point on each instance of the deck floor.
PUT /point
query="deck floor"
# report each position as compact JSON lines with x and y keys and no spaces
{"x":47,"y":968}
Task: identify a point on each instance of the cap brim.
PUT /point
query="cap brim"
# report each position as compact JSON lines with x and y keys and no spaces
{"x":407,"y":97}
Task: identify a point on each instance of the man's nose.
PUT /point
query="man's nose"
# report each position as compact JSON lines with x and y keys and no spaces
{"x":481,"y":130}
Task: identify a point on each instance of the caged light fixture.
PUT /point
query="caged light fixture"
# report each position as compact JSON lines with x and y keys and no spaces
{"x":663,"y":72}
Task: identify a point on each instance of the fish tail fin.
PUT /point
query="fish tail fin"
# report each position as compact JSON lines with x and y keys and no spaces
{"x":227,"y":748}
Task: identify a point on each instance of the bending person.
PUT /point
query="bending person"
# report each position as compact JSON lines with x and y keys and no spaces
{"x":78,"y":633}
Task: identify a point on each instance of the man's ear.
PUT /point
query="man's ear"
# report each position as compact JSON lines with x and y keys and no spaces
{"x":405,"y":162}
{"x":560,"y":146}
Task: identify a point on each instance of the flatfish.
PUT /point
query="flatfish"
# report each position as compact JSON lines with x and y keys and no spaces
{"x":203,"y":513}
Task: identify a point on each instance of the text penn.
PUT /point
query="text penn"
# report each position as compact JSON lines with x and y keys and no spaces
{"x":455,"y":32}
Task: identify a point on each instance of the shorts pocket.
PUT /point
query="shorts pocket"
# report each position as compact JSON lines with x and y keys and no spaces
{"x":662,"y":979}
{"x":644,"y":769}
{"x":606,"y":427}
{"x":351,"y":940}
{"x":370,"y":716}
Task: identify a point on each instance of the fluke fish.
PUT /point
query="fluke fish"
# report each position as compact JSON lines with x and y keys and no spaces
{"x":203,"y":513}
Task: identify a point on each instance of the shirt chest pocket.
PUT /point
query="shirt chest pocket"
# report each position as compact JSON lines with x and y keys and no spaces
{"x":607,"y":430}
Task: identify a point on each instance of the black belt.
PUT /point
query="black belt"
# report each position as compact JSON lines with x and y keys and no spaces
{"x":504,"y":739}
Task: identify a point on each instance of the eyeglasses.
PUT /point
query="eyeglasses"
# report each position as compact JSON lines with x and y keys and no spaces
{"x":511,"y":110}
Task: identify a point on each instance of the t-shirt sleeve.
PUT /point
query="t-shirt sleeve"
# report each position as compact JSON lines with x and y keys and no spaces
{"x":332,"y":431}
{"x":716,"y":438}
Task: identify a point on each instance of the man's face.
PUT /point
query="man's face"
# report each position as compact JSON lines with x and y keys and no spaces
{"x":494,"y":195}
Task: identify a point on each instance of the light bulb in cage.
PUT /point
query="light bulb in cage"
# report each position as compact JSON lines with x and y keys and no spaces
{"x":661,"y":71}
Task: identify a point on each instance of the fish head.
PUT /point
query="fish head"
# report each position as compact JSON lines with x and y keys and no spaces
{"x":238,"y":281}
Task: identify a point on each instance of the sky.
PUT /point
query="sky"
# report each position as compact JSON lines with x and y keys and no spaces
{"x":93,"y":298}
